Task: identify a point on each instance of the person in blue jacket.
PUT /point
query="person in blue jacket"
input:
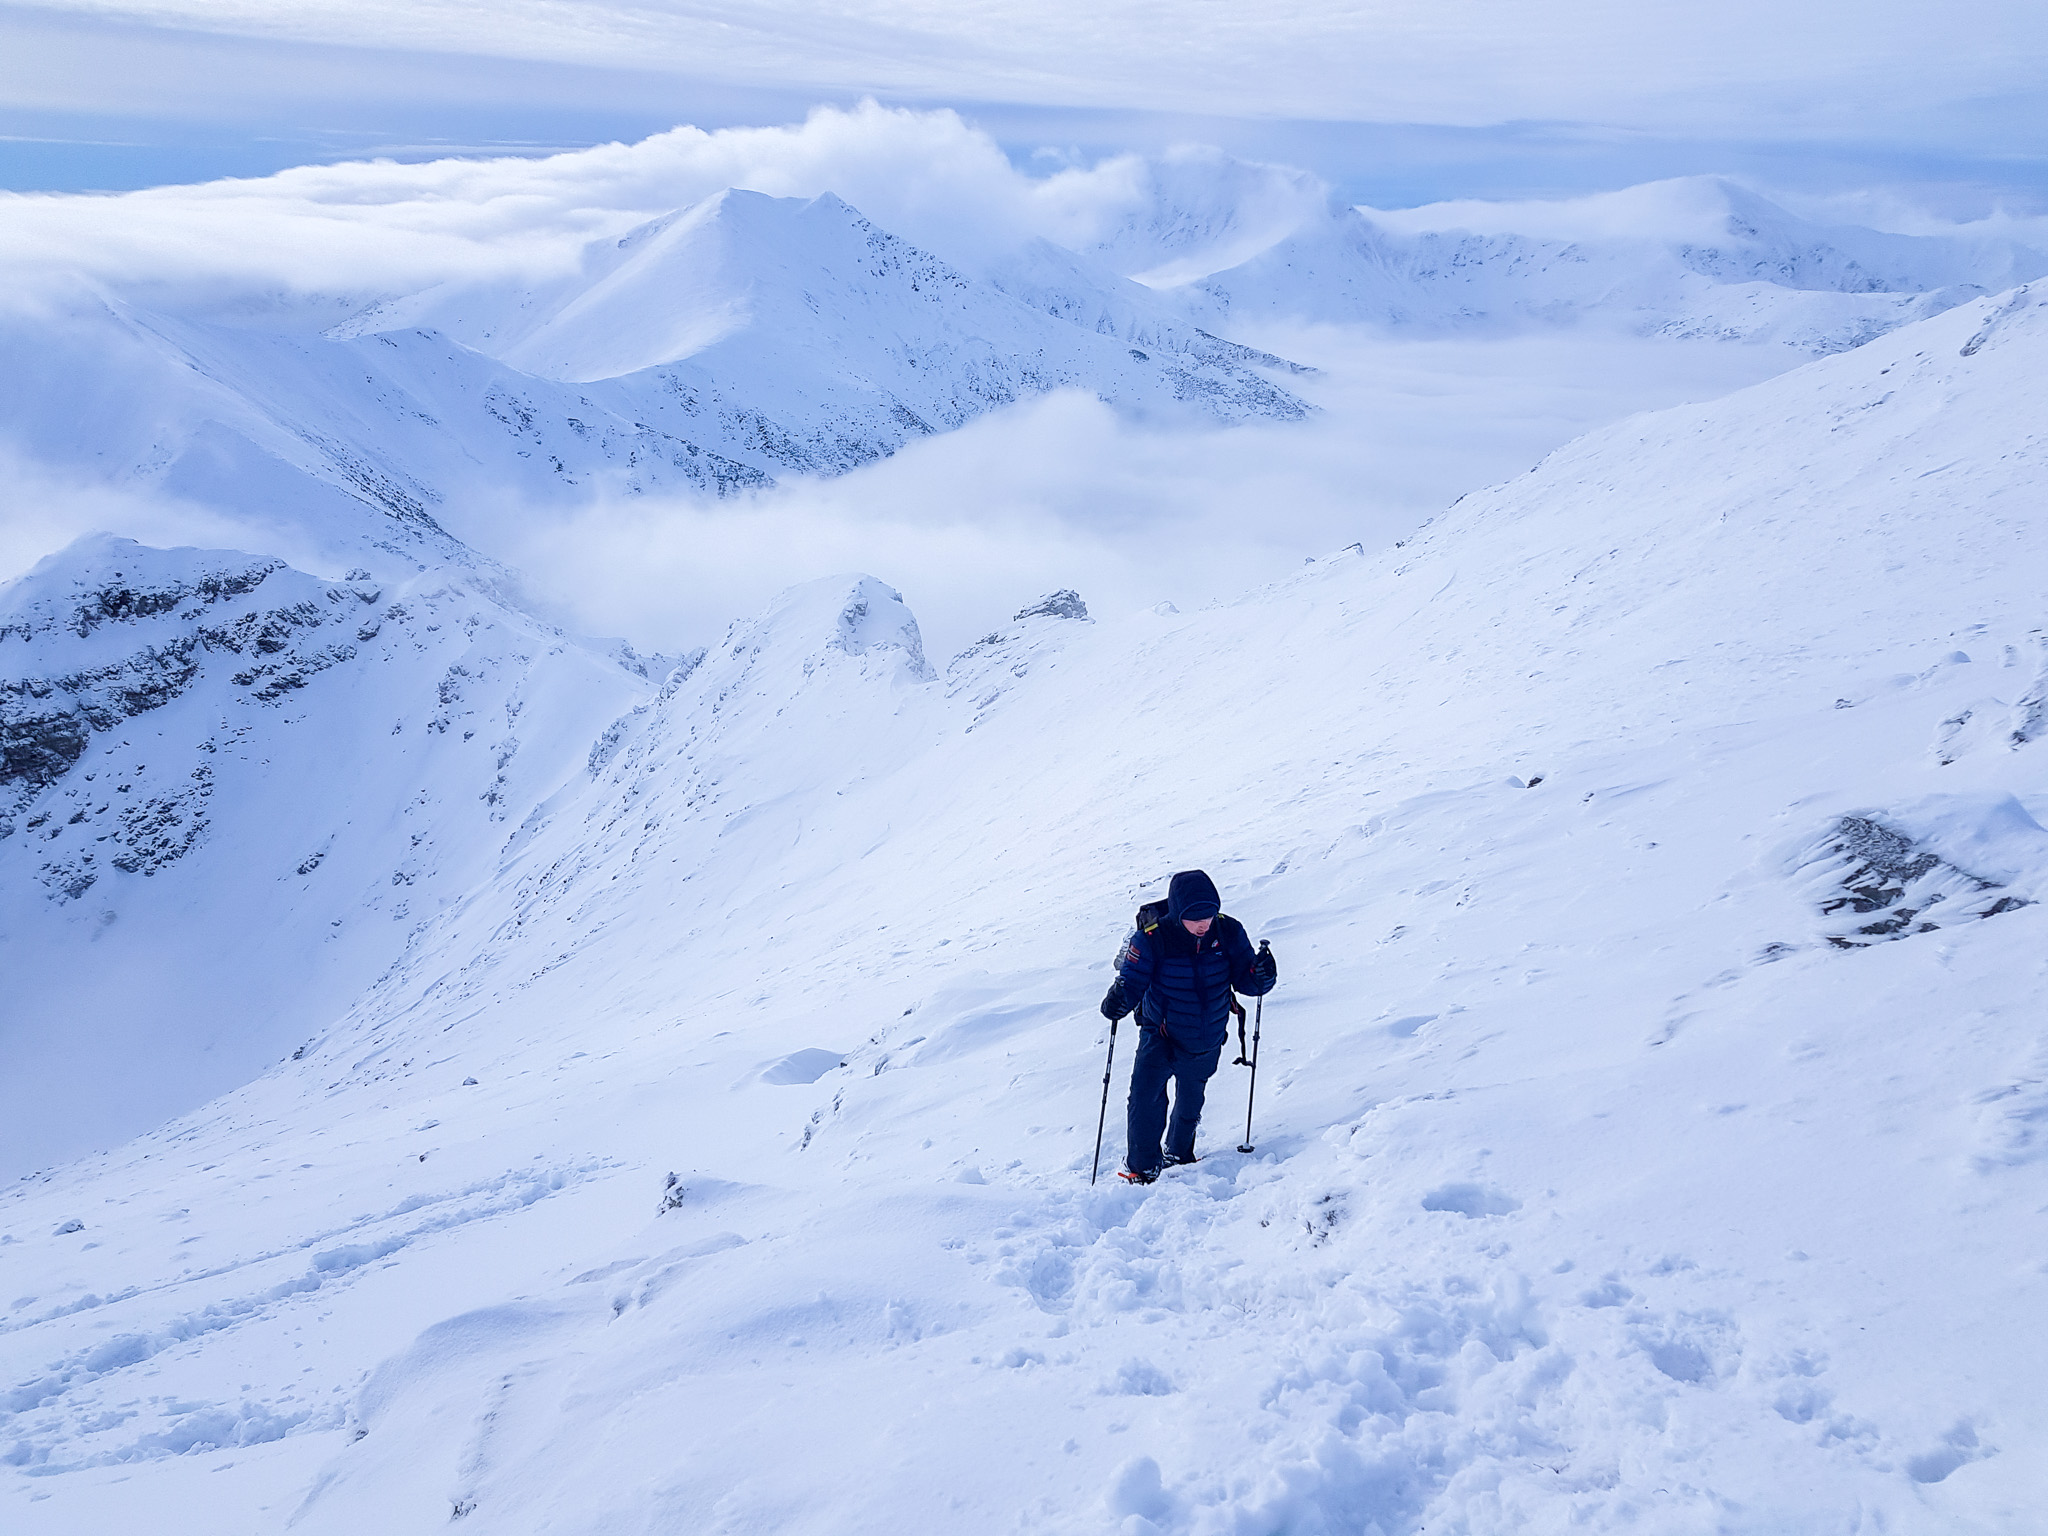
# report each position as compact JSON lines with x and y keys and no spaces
{"x":1178,"y":975}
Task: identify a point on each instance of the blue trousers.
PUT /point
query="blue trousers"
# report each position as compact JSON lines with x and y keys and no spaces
{"x":1160,"y":1059}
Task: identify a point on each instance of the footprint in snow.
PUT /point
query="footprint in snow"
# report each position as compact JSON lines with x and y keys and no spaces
{"x":1470,"y":1200}
{"x":1959,"y":1446}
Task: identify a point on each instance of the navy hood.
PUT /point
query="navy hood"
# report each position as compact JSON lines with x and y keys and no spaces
{"x":1192,"y":897}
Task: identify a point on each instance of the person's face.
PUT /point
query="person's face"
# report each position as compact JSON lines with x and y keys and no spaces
{"x":1197,"y":927}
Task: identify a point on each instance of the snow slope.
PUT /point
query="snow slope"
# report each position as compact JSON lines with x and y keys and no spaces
{"x":1615,"y":1171}
{"x":1700,"y":256}
{"x":316,"y":445}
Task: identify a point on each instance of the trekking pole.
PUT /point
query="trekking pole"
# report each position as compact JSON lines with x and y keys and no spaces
{"x":1102,"y":1119}
{"x":1258,"y":1019}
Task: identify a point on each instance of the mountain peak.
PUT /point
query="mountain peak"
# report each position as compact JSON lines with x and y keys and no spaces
{"x":1063,"y":604}
{"x":854,"y":614}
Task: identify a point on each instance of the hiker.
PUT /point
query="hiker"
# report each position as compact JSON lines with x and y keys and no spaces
{"x":1178,"y":971}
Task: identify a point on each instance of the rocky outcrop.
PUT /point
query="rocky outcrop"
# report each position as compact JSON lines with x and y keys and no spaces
{"x":1885,"y":885}
{"x":46,"y":722}
{"x":49,"y":717}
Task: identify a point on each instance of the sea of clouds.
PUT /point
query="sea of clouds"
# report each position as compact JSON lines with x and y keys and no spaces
{"x":928,"y":176}
{"x":1057,"y":492}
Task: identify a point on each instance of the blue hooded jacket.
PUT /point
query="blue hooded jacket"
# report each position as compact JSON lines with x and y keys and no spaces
{"x":1181,"y":985}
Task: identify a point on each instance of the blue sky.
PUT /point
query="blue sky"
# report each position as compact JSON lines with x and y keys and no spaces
{"x":1392,"y":104}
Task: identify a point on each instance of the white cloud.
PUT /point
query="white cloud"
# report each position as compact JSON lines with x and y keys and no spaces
{"x":362,"y":227}
{"x":1925,"y":210}
{"x":359,"y":226}
{"x":1063,"y":493}
{"x":41,"y":511}
{"x":1697,"y":208}
{"x":1688,"y":208}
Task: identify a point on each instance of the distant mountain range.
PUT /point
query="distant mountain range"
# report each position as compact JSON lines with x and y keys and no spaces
{"x":748,"y":338}
{"x":1702,"y":257}
{"x":712,"y":351}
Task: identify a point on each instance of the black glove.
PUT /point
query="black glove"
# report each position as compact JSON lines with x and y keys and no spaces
{"x":1113,"y":1003}
{"x":1263,"y":968}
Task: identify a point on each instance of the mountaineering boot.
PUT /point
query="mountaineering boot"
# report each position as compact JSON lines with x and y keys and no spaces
{"x":1136,"y":1176}
{"x":1177,"y":1162}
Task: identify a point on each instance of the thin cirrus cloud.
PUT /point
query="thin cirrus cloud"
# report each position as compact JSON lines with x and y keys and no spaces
{"x":1803,"y":68}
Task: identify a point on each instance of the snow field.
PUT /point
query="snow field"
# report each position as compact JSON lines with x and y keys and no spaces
{"x":1596,"y":1189}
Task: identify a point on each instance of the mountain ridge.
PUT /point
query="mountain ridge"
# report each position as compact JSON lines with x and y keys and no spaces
{"x":1698,"y":257}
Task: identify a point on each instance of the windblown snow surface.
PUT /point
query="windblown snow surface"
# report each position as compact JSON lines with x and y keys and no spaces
{"x":1652,"y":1130}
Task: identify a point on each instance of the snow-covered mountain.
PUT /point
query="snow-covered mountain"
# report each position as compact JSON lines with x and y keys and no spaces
{"x":1649,"y":1118}
{"x":231,"y":792}
{"x":1697,"y":257}
{"x":1194,"y":210}
{"x":748,"y":338}
{"x":331,"y":449}
{"x":712,"y":351}
{"x":1085,"y":292}
{"x":800,"y":308}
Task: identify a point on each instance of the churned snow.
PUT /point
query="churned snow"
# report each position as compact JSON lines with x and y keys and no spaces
{"x":1649,"y":1132}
